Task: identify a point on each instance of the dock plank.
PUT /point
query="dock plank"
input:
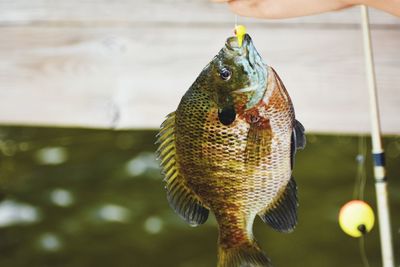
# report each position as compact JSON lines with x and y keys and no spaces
{"x":127,"y":77}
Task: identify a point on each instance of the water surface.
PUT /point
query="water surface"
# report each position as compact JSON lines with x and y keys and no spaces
{"x":79,"y":198}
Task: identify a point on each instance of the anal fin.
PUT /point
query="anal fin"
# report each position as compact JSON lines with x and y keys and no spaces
{"x":282,"y":215}
{"x":186,"y":204}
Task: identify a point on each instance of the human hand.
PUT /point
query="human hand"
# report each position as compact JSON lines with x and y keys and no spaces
{"x":278,"y":9}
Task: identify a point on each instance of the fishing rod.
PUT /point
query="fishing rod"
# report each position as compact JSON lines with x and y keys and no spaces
{"x":377,"y":149}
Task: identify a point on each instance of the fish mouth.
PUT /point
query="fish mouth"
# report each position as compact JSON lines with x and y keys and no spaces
{"x":233,"y":44}
{"x":247,"y":56}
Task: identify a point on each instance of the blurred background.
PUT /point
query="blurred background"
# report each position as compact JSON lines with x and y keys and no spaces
{"x":84,"y":86}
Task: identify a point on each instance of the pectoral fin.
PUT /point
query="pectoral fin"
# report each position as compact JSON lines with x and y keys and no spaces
{"x":299,"y":133}
{"x":298,"y":140}
{"x":282,"y":215}
{"x":180,"y":197}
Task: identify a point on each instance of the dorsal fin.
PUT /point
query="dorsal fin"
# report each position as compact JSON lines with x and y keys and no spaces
{"x":180,"y":197}
{"x":282,"y":215}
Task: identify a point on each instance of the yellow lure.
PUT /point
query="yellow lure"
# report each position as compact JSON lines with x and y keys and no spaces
{"x":240,"y":31}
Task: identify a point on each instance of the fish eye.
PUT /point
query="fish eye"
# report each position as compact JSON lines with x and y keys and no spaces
{"x":225,"y":74}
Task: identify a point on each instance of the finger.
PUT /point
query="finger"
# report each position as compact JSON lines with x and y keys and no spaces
{"x":247,"y":8}
{"x":279,"y":9}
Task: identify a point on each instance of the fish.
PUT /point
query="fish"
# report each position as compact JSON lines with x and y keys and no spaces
{"x":229,"y":148}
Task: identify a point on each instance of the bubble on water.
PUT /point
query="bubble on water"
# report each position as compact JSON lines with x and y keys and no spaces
{"x":8,"y":148}
{"x":141,"y":163}
{"x":311,"y":138}
{"x":51,"y":155}
{"x":360,"y":158}
{"x":50,"y":242}
{"x":114,"y":213}
{"x":153,"y":225}
{"x":62,"y":197}
{"x":24,"y":146}
{"x":12,"y":213}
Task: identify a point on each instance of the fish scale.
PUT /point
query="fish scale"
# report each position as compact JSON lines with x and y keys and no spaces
{"x":229,"y":148}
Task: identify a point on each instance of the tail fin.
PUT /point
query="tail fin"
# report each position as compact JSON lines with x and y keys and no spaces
{"x":246,"y":255}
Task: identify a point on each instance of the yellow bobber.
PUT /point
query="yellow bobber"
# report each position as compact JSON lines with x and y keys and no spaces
{"x":356,"y":218}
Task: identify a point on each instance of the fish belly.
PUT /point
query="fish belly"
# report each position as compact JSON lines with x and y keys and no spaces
{"x":228,"y":172}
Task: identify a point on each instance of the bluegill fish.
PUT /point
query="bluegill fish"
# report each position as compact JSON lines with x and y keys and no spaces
{"x":229,"y":148}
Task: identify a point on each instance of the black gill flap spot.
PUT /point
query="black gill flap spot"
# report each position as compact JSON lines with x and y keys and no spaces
{"x":227,"y":115}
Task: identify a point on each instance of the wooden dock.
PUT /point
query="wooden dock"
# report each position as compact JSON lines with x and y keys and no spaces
{"x":125,"y":64}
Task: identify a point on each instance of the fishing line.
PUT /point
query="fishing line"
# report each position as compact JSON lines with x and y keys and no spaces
{"x":363,"y":251}
{"x":361,"y":176}
{"x":359,"y":188}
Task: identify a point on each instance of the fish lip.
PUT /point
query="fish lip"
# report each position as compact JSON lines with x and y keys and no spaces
{"x":232,"y":44}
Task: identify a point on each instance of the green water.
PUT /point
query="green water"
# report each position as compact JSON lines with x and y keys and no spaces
{"x":81,"y":198}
